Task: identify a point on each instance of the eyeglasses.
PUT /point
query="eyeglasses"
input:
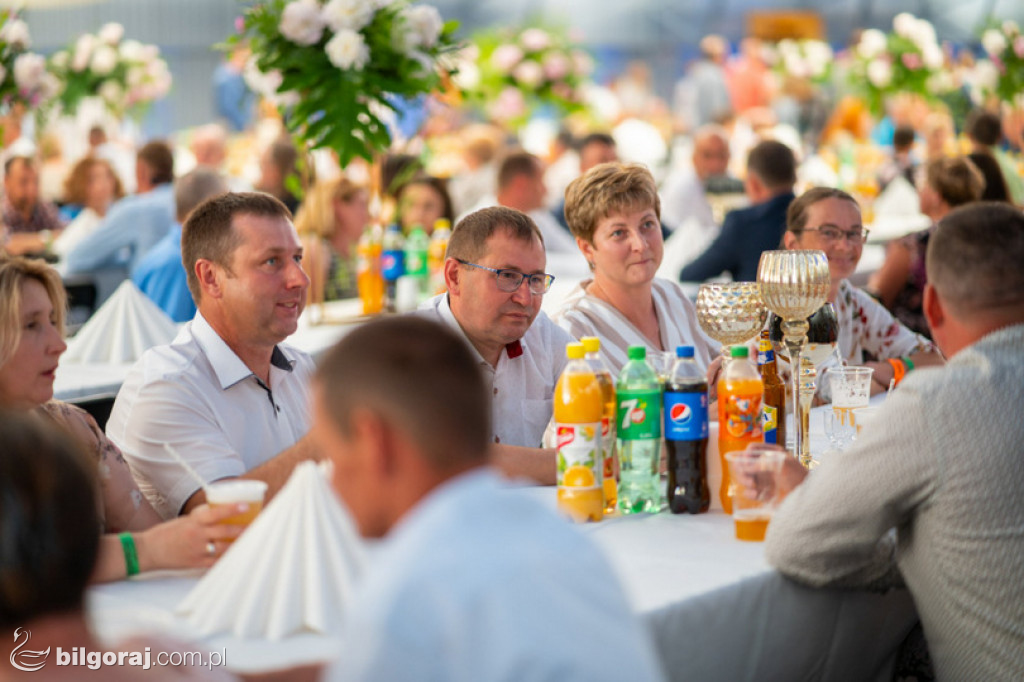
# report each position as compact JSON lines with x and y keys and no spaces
{"x":511,"y":280}
{"x":834,"y":234}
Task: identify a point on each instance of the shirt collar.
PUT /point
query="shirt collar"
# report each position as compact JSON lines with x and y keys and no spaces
{"x":512,"y":350}
{"x":228,"y":367}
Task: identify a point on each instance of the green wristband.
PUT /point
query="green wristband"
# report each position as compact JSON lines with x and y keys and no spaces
{"x":131,"y":555}
{"x":908,"y":362}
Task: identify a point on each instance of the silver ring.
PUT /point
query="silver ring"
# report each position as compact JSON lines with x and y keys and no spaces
{"x":211,"y":548}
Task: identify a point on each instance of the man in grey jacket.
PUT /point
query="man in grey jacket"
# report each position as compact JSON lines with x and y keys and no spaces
{"x":941,"y":465}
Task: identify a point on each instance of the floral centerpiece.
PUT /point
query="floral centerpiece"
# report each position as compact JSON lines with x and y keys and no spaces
{"x":24,"y":80}
{"x":125,"y":74}
{"x":333,"y":68}
{"x":510,"y":73}
{"x":1004,"y":45}
{"x":908,"y":60}
{"x":809,"y":60}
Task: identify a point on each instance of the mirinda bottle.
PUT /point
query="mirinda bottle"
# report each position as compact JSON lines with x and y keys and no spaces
{"x":369,"y":279}
{"x":739,"y":413}
{"x":592,"y":347}
{"x":579,"y":408}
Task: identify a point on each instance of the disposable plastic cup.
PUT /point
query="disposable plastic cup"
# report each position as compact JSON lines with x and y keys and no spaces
{"x":237,"y":491}
{"x":754,"y":474}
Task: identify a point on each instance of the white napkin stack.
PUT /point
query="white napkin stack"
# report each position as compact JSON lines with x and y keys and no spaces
{"x":124,"y":327}
{"x":292,"y":570}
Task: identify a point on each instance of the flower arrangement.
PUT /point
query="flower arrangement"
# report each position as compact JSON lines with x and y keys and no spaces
{"x":510,"y":73}
{"x":1004,"y":44}
{"x":24,"y":79}
{"x":907,"y":60}
{"x":804,"y":59}
{"x":333,"y":67}
{"x":125,"y":74}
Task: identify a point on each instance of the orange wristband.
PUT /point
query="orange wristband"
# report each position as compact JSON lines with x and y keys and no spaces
{"x":899,"y":370}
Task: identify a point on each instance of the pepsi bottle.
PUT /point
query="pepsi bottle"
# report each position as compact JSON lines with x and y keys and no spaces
{"x":686,"y":435}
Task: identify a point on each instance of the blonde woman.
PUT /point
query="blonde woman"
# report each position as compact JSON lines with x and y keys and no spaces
{"x":330,"y":222}
{"x":32,"y":304}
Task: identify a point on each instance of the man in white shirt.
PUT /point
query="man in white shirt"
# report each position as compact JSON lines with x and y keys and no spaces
{"x":226,"y":394}
{"x":472,"y":580}
{"x":496,"y":283}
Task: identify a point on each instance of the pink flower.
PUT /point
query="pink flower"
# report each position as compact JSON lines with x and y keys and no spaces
{"x":912,"y":60}
{"x":1018,"y":46}
{"x":510,"y":104}
{"x":505,"y":57}
{"x":556,"y":66}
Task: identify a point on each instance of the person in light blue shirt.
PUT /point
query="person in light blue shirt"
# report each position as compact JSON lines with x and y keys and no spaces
{"x":471,"y":580}
{"x":160,"y":274}
{"x":134,"y":224}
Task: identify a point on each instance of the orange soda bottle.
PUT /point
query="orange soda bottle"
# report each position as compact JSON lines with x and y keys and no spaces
{"x":436,"y":254}
{"x":592,"y":347}
{"x":579,"y":408}
{"x":740,"y":390}
{"x":369,"y":279}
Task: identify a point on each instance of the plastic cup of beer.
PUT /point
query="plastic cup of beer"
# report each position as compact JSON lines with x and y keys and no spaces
{"x":851,"y":389}
{"x":754,"y":474}
{"x":237,"y":491}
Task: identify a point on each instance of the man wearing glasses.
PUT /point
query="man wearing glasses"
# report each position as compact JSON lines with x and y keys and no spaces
{"x":496,"y":282}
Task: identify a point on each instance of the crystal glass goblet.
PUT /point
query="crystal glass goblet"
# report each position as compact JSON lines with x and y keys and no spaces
{"x":731,"y":312}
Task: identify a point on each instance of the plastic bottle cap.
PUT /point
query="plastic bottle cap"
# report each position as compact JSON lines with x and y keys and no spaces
{"x":574,"y":351}
{"x":684,"y":351}
{"x":637,"y":353}
{"x":591,"y":344}
{"x":739,"y":352}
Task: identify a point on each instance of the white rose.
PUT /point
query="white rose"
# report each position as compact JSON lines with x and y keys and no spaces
{"x":347,"y":14}
{"x":381,"y":4}
{"x":1010,"y":27}
{"x":425,"y":23}
{"x":148,"y":53}
{"x":994,"y":42}
{"x":111,"y":92}
{"x":59,"y":60}
{"x":135,"y":76}
{"x":15,"y":33}
{"x":986,"y":75}
{"x":347,"y":50}
{"x":302,"y":22}
{"x":924,"y":34}
{"x":535,"y":40}
{"x":529,"y":73}
{"x":83,"y":52}
{"x":933,"y":57}
{"x":872,"y":43}
{"x":904,"y":24}
{"x":50,"y":86}
{"x":880,"y":73}
{"x":29,"y":69}
{"x":818,"y":53}
{"x":467,"y":77}
{"x":111,"y":33}
{"x":104,"y":60}
{"x":131,"y":50}
{"x":940,"y":82}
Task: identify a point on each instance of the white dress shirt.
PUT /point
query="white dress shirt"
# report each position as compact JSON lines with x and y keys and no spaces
{"x":479,"y":582}
{"x":199,"y":397}
{"x":523,"y":383}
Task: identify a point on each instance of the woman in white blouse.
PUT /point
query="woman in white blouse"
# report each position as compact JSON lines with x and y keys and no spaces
{"x":614,"y":211}
{"x":829,"y":219}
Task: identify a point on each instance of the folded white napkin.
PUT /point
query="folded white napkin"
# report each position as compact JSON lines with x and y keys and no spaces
{"x":291,"y":571}
{"x":899,"y":198}
{"x":124,"y":327}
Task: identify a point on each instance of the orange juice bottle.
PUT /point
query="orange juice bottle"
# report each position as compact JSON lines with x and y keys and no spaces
{"x":369,"y":279}
{"x":740,"y":390}
{"x":592,"y":347}
{"x":579,"y":408}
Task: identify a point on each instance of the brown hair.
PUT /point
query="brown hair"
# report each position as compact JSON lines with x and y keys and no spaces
{"x":14,"y":271}
{"x":439,"y":186}
{"x":376,"y":367}
{"x":469,"y":238}
{"x":515,"y":164}
{"x":48,"y":520}
{"x":605,"y":189}
{"x":774,"y":164}
{"x":209,"y":232}
{"x":159,"y":159}
{"x":956,"y":180}
{"x":76,"y":185}
{"x":974,"y":256}
{"x":796,"y":214}
{"x":316,"y":214}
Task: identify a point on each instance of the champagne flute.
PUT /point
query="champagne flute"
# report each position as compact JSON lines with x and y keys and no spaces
{"x":794,"y":284}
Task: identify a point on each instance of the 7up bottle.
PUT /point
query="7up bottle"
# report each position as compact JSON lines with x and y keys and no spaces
{"x":578,"y":409}
{"x":638,"y":421}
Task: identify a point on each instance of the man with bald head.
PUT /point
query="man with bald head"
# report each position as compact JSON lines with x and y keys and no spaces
{"x":684,"y":196}
{"x":940,"y":464}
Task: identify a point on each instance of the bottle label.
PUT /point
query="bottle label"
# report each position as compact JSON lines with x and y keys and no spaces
{"x":770,"y":423}
{"x":579,"y":455}
{"x":743,"y":416}
{"x":638,"y":415}
{"x":392,"y":265}
{"x":764,"y":356}
{"x":686,"y":415}
{"x":415,"y":263}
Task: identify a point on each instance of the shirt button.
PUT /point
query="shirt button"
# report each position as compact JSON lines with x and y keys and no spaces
{"x":497,"y":440}
{"x":495,"y":390}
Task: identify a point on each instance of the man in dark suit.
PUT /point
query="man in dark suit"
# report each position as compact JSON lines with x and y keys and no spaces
{"x":771,"y":174}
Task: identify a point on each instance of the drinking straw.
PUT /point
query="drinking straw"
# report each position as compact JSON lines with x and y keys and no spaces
{"x":185,"y":465}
